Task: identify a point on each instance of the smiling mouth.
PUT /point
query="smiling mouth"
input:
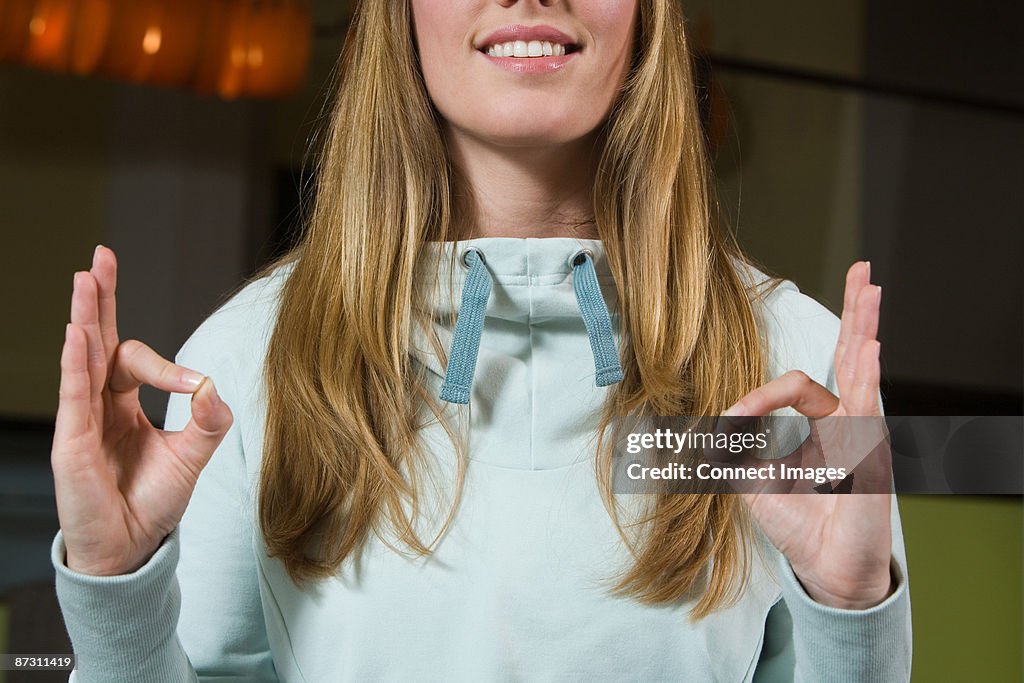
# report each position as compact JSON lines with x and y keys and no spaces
{"x":531,"y":49}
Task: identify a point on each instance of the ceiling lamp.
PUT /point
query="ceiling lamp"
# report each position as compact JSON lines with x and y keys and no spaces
{"x":155,"y":41}
{"x":15,"y":16}
{"x":230,"y":48}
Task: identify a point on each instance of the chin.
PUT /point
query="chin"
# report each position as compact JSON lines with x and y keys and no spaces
{"x":530,"y":132}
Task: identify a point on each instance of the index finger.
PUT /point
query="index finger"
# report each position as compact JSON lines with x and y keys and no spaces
{"x":857,"y":277}
{"x":75,"y":397}
{"x":104,"y":270}
{"x":794,"y":389}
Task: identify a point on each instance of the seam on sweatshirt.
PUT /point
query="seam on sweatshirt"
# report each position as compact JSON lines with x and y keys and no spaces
{"x":275,"y":605}
{"x":531,"y":365}
{"x":552,"y":280}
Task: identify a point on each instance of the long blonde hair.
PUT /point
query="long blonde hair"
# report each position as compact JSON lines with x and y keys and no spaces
{"x":345,"y":401}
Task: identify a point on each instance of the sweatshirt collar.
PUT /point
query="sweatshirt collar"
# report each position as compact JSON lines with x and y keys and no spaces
{"x":540,"y":380}
{"x":532,"y":276}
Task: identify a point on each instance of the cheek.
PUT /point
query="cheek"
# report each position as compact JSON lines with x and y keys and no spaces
{"x":613,"y":23}
{"x":441,"y":30}
{"x":610,"y":25}
{"x":609,"y":14}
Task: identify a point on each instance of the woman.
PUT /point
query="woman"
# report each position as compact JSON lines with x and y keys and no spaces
{"x":529,"y":235}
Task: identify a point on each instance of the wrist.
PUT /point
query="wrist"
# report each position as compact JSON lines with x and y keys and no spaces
{"x":103,"y":568}
{"x":864,"y":596}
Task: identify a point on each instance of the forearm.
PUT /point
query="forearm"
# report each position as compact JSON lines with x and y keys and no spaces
{"x":123,"y":628}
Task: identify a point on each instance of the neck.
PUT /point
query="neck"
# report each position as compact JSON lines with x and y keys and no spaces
{"x":525,"y":191}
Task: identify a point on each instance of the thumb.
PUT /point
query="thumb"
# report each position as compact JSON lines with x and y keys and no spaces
{"x":210,"y":422}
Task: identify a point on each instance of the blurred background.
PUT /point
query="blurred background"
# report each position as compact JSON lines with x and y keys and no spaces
{"x":891,"y":130}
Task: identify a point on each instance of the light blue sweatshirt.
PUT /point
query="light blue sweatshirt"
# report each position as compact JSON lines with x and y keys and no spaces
{"x":513,"y":591}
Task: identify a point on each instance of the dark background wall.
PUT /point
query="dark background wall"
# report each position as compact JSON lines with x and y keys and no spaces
{"x":943,"y":171}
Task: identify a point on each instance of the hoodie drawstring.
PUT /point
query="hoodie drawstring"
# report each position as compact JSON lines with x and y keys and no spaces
{"x":458,"y":377}
{"x":607,"y":368}
{"x":476,"y":290}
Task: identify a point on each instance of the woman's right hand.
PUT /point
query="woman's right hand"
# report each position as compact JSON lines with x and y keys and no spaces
{"x":121,"y":484}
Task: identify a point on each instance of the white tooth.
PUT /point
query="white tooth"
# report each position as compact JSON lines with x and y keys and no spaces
{"x":522,"y":48}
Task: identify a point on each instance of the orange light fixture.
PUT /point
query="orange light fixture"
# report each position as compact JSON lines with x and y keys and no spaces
{"x":277,"y":51}
{"x":155,"y":41}
{"x":49,"y":34}
{"x":231,"y":48}
{"x":255,"y":49}
{"x":91,"y":34}
{"x":15,"y":16}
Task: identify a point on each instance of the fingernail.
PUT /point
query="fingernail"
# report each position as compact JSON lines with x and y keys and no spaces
{"x":95,"y":252}
{"x":214,"y":396}
{"x":868,"y":264}
{"x":735,"y":410}
{"x":192,"y":379}
{"x":67,"y":331}
{"x":878,"y":293}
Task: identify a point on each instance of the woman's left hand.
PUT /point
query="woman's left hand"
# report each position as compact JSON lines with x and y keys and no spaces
{"x":838,"y":545}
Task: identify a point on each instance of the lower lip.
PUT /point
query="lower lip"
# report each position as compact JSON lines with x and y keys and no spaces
{"x":531,"y":65}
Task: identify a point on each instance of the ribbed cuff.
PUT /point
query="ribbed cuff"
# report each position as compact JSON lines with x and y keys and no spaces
{"x":124,"y":627}
{"x":842,"y":645}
